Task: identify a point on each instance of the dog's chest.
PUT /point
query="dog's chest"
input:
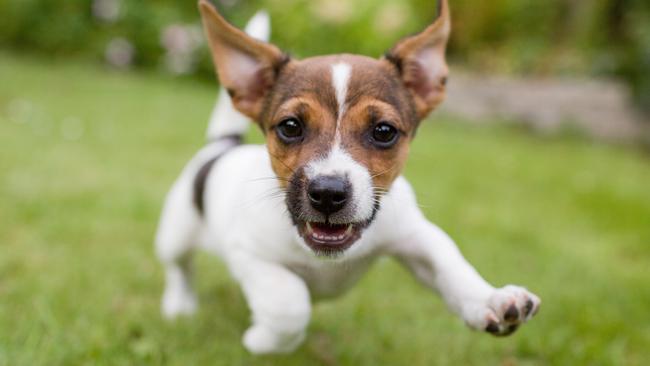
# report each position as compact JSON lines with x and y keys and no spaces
{"x":331,"y":279}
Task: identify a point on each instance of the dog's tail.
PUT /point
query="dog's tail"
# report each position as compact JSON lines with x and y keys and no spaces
{"x":225,"y":119}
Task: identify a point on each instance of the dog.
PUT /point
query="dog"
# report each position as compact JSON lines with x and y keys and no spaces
{"x":304,"y":216}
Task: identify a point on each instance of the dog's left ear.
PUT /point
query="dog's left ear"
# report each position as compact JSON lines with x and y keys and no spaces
{"x":247,"y":67}
{"x":420,"y":60}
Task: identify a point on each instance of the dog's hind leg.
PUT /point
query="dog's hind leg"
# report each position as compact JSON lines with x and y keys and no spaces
{"x":176,"y":238}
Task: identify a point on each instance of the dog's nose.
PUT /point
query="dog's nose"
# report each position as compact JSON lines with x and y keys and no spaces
{"x":328,"y":194}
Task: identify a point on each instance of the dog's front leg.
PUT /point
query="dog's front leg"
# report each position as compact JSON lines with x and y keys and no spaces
{"x":436,"y":261}
{"x":279,"y":301}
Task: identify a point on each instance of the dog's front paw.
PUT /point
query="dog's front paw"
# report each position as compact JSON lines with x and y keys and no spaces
{"x":506,"y":309}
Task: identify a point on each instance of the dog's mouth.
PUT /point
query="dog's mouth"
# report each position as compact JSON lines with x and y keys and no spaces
{"x":329,"y":239}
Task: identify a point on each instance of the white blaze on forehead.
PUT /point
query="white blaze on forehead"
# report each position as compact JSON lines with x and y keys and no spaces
{"x":338,"y":162}
{"x":340,"y":80}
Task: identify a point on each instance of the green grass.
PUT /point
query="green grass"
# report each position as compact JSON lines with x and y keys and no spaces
{"x":87,"y":155}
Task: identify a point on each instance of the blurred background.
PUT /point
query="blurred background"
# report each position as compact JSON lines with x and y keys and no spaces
{"x":537,"y":164}
{"x":594,"y":56}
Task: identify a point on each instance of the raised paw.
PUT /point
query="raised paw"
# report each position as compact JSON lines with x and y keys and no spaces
{"x":509,"y":307}
{"x":505,"y":310}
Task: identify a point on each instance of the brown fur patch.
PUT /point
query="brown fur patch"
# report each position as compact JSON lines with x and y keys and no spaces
{"x":375,"y":94}
{"x":399,"y":89}
{"x":384,"y":165}
{"x":318,"y":124}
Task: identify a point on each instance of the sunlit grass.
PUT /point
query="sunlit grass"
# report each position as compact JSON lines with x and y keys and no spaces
{"x":87,"y":155}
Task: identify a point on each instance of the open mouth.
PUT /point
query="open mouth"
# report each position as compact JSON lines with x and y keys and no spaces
{"x":326,"y":238}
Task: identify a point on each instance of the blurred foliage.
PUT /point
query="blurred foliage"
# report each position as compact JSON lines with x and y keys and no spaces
{"x":566,"y":37}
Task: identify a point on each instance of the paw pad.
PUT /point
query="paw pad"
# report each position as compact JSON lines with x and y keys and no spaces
{"x":509,"y":307}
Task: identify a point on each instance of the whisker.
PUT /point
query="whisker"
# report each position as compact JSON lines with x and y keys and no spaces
{"x":384,"y":172}
{"x":282,"y":162}
{"x":269,"y":194}
{"x":269,"y":178}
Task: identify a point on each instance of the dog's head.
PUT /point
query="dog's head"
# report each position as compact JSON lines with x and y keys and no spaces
{"x":337,"y":127}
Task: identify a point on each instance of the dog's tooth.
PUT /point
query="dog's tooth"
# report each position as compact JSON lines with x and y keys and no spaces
{"x":349,"y":230}
{"x":309,"y":229}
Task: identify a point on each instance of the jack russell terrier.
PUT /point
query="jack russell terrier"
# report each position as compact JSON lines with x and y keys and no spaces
{"x":307,"y":214}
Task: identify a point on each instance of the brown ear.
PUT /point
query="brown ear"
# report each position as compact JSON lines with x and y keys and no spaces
{"x":247,"y":67}
{"x":421,"y":62}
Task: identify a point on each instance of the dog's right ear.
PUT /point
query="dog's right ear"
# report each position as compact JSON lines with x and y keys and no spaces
{"x":246,"y":67}
{"x":420,"y":59}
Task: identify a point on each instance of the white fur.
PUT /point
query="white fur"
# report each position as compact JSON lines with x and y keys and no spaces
{"x":225,"y":119}
{"x":248,"y":227}
{"x":246,"y":223}
{"x":340,"y":79}
{"x":178,"y":232}
{"x":259,"y":26}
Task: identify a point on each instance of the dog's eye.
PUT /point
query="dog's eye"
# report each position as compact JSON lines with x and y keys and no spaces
{"x":290,"y":130}
{"x":384,"y":135}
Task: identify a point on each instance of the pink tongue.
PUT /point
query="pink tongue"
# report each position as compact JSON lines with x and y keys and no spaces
{"x":329,"y":230}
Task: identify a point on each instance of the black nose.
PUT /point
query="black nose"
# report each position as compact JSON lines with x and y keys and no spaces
{"x":328,"y":194}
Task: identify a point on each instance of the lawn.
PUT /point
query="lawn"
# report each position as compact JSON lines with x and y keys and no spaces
{"x":86,"y":156}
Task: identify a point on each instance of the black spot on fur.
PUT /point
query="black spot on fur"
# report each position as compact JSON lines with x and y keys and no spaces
{"x":203,"y":173}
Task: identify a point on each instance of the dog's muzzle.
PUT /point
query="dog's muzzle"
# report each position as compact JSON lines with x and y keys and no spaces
{"x":324,"y":211}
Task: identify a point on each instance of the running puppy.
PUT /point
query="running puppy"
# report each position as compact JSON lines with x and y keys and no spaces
{"x":326,"y":188}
